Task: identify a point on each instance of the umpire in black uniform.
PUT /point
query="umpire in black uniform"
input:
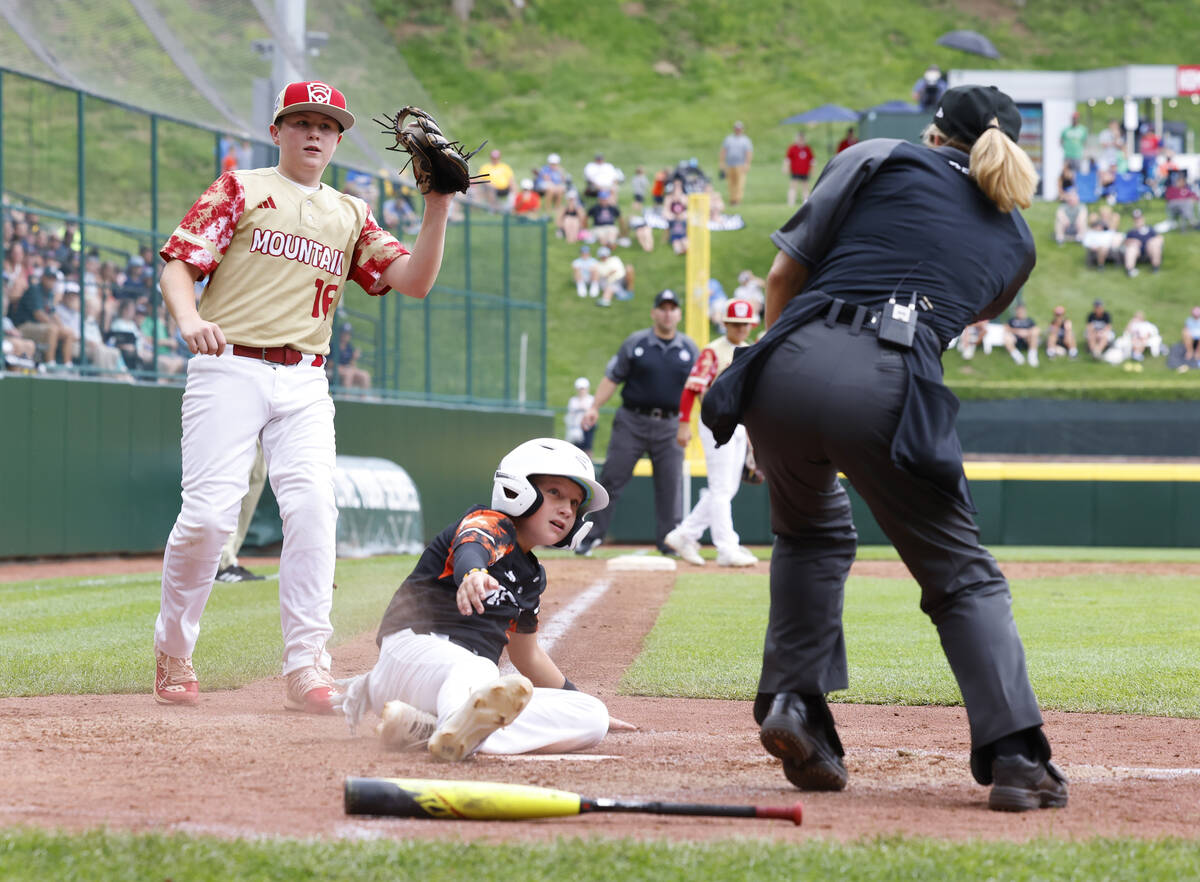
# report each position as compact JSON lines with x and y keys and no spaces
{"x":653,"y":363}
{"x":898,"y":249}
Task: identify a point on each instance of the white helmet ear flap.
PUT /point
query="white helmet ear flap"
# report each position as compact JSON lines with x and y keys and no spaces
{"x":514,"y":495}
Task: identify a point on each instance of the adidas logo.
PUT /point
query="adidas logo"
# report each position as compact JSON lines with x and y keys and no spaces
{"x":269,"y":202}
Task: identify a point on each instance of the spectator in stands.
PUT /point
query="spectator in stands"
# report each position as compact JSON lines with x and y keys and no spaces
{"x":161,"y":336}
{"x":615,"y":278}
{"x":658,"y":189}
{"x":639,"y":188}
{"x":797,"y":165}
{"x":500,"y":179}
{"x":849,"y":141}
{"x":551,"y":183}
{"x":1099,"y":329}
{"x":1060,"y":335}
{"x":972,"y":338}
{"x":1070,"y":221}
{"x":1142,"y":334}
{"x":527,"y":201}
{"x":1021,"y":337}
{"x":716,"y":205}
{"x":750,"y":287}
{"x":737,"y":152}
{"x":601,"y":176}
{"x":19,"y":351}
{"x":1113,"y":158}
{"x":1181,"y":201}
{"x":603,"y":218}
{"x":1191,"y":337}
{"x":1104,"y":238}
{"x":1148,"y":146}
{"x":1074,"y":141}
{"x":928,"y":90}
{"x":125,"y":333}
{"x":398,"y":210}
{"x":572,"y":220}
{"x":36,"y":317}
{"x":675,"y":212}
{"x":577,"y":405}
{"x":583,"y":270}
{"x":349,"y":374}
{"x":1142,"y":245}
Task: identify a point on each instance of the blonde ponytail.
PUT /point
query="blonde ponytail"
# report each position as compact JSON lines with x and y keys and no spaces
{"x":1003,"y":171}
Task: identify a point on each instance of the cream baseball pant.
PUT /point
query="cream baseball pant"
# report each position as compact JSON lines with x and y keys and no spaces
{"x":436,"y":675}
{"x":229,"y":404}
{"x":714,"y":509}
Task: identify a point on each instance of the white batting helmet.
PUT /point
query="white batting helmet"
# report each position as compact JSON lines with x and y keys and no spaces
{"x":515,"y":495}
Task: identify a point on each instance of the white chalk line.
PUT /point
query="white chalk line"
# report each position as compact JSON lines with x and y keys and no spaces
{"x":552,"y":631}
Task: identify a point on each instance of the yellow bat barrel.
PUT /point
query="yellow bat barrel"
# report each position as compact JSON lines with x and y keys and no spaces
{"x":455,"y":800}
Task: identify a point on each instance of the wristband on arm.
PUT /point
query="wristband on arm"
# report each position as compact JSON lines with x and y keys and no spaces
{"x":567,"y":684}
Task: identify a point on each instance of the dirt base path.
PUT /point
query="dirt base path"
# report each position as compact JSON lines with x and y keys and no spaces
{"x":240,"y":765}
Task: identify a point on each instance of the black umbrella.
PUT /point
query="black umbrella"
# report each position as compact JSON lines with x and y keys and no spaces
{"x":969,"y":41}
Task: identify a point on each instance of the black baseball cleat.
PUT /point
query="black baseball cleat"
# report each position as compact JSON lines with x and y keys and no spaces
{"x":1020,"y":784}
{"x":588,"y":545}
{"x":237,"y":573}
{"x":794,"y":731}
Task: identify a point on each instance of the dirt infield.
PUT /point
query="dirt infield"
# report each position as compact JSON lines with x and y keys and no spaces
{"x":239,"y":765}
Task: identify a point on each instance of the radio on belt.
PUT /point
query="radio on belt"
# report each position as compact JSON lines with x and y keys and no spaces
{"x":898,"y":323}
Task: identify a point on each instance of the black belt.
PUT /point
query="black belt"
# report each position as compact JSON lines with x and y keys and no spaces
{"x":657,"y":412}
{"x":859,"y":318}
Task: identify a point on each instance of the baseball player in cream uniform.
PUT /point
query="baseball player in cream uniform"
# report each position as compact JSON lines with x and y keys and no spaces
{"x":714,"y":510}
{"x":278,"y":247}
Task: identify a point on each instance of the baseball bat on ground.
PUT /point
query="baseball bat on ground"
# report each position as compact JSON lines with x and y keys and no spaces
{"x":490,"y":801}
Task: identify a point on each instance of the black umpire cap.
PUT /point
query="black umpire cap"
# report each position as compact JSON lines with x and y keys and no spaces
{"x":666,"y":295}
{"x":966,"y":112}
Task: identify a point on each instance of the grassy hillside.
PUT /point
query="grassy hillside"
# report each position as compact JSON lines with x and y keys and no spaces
{"x":653,"y":83}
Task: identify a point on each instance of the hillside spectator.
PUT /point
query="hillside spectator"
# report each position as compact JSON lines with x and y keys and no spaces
{"x":578,"y":405}
{"x":1074,"y":141}
{"x":527,"y":200}
{"x":658,"y":189}
{"x":1148,"y":146}
{"x":601,"y":176}
{"x":797,"y":164}
{"x":349,"y":374}
{"x":106,"y":358}
{"x":716,"y":205}
{"x":1060,"y":335}
{"x":125,"y":333}
{"x":639,"y":188}
{"x":972,"y":338}
{"x":551,"y":183}
{"x":849,"y":141}
{"x":737,"y":152}
{"x":1021,"y":337}
{"x":1099,"y":329}
{"x":603,"y":218}
{"x":500,"y":179}
{"x":1104,"y":238}
{"x":750,"y":287}
{"x":1191,"y":337}
{"x":1181,"y":202}
{"x":1070,"y":221}
{"x":1142,"y":245}
{"x":583,"y":269}
{"x":1112,"y":157}
{"x":18,"y":350}
{"x":572,"y":220}
{"x":1142,"y":335}
{"x":615,"y":278}
{"x":928,"y":90}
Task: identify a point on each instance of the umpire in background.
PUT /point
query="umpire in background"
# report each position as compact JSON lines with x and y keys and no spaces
{"x":898,"y":249}
{"x":653,"y":363}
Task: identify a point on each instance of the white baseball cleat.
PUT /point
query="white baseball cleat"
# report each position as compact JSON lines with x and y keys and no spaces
{"x":687,"y":549}
{"x":405,"y":727}
{"x":736,"y":557}
{"x":490,"y":707}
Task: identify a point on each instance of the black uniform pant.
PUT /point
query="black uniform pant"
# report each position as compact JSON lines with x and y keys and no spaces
{"x":633,"y":435}
{"x":827,"y":400}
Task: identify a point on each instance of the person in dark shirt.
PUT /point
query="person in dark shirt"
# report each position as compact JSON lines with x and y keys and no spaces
{"x":603,"y":218}
{"x":1142,"y":243}
{"x":899,"y":247}
{"x":474,"y":594}
{"x":1099,"y":329}
{"x":1021,"y":337}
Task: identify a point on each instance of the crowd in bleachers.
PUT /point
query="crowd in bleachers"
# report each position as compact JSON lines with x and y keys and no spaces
{"x":67,"y":310}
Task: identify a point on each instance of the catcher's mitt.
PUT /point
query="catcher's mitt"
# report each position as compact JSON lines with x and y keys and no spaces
{"x":438,"y":164}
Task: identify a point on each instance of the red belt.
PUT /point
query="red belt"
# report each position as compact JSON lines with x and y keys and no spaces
{"x":275,"y":354}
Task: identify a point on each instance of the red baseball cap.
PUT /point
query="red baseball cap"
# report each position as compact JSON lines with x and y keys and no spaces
{"x":740,"y":312}
{"x":314,"y":95}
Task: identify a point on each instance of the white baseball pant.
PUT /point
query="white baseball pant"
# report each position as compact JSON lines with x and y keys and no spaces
{"x":436,"y":675}
{"x":229,"y":403}
{"x":714,"y":509}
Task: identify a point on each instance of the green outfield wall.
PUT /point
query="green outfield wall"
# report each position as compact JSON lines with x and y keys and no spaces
{"x":90,"y":467}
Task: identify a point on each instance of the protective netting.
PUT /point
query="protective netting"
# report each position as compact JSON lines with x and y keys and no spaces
{"x":194,"y":48}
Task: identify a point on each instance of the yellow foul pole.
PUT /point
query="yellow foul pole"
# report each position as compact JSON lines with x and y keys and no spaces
{"x":696,"y":303}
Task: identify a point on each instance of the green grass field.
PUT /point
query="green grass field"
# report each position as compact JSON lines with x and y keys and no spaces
{"x":64,"y":636}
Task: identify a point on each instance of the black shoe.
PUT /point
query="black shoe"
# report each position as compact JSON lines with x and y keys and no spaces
{"x":587,"y":546}
{"x":794,"y":731}
{"x":237,"y":574}
{"x":1021,"y":784}
{"x":667,"y":551}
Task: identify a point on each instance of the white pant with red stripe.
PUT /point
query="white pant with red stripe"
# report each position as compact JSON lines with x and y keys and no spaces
{"x":714,"y":509}
{"x":229,"y":402}
{"x":437,"y":676}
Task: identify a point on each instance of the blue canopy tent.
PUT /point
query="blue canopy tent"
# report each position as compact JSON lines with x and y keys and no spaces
{"x":826,"y":113}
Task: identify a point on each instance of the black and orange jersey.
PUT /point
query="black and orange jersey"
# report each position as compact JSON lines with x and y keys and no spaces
{"x":426,"y":602}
